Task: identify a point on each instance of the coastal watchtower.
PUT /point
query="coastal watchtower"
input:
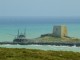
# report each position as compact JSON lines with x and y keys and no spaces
{"x":60,"y":31}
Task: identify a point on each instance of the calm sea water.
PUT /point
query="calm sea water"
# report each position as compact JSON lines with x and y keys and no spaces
{"x":8,"y":31}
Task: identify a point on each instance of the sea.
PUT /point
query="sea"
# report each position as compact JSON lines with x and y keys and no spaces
{"x":34,"y":28}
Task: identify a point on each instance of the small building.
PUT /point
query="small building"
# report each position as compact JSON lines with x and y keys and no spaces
{"x":60,"y":31}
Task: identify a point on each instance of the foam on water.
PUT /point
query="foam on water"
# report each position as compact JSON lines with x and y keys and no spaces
{"x":44,"y":47}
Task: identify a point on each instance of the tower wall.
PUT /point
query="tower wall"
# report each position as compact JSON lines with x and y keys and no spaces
{"x":60,"y":31}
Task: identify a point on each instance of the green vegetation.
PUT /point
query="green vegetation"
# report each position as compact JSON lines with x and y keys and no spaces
{"x":31,"y":54}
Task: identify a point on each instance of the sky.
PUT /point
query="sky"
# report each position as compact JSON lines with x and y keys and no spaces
{"x":54,"y":8}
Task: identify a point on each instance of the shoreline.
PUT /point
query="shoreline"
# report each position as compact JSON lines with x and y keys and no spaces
{"x":44,"y":43}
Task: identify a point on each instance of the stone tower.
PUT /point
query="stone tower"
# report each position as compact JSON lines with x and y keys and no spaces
{"x":60,"y":31}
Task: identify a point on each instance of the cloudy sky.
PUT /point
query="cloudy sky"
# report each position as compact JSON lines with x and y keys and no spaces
{"x":54,"y":8}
